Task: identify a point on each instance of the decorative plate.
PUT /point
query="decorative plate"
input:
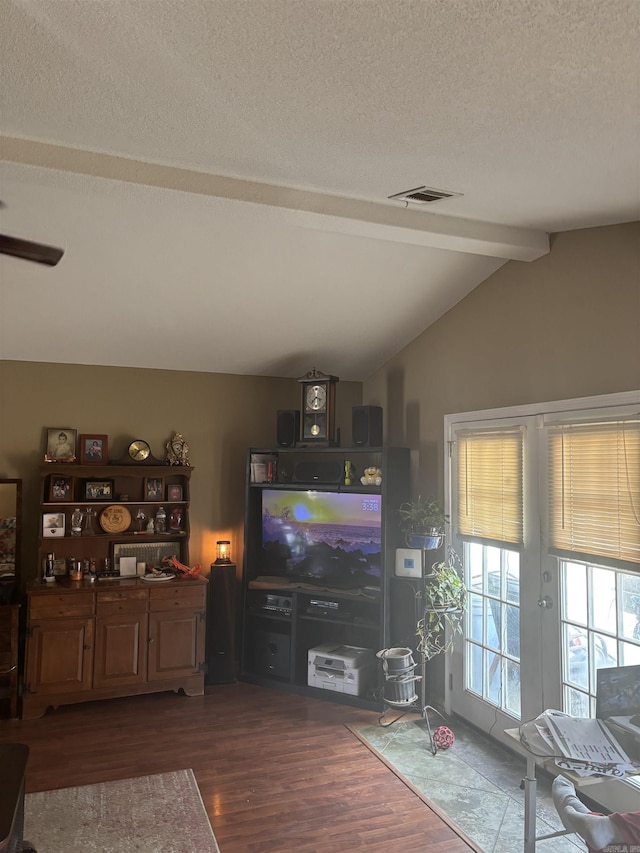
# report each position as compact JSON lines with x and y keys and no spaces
{"x":115,"y":519}
{"x":165,"y":576}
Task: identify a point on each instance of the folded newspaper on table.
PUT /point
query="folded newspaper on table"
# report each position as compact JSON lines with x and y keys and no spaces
{"x":584,"y":746}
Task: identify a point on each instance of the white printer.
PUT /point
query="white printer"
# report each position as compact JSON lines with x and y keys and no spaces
{"x":344,"y":669}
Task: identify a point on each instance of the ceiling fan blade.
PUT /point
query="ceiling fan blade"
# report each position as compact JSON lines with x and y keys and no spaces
{"x":29,"y":251}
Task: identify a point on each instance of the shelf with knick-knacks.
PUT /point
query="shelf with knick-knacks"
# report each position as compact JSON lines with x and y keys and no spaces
{"x":96,"y":515}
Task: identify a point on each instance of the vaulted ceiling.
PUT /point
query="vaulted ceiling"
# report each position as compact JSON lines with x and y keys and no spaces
{"x":219,"y":171}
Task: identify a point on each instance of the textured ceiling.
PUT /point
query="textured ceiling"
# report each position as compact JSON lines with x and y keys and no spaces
{"x":219,"y":172}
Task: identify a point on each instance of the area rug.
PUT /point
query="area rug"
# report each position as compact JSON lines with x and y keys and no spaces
{"x":163,"y":813}
{"x":474,"y":786}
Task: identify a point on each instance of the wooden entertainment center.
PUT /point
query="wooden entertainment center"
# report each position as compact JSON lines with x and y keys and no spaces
{"x":287,"y":616}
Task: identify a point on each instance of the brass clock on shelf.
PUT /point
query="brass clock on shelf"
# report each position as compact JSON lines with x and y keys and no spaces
{"x":139,"y":450}
{"x":318,"y":402}
{"x":138,"y":453}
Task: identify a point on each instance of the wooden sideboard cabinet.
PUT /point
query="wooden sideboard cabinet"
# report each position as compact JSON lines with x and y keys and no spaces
{"x":113,"y":638}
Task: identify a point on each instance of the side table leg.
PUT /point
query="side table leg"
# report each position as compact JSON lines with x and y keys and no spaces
{"x":529,"y":784}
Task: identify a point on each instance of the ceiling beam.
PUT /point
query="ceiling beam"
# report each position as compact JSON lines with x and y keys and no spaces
{"x":390,"y":220}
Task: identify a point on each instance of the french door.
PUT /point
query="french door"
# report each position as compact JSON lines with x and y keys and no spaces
{"x":541,"y":620}
{"x":506,"y":659}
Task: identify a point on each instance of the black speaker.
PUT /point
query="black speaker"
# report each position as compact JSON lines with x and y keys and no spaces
{"x":366,"y":426}
{"x":272,"y":653}
{"x":405,"y":609}
{"x":318,"y":472}
{"x":220,"y":642}
{"x":287,"y":427}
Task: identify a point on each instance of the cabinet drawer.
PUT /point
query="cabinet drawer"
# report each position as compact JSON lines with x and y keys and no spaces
{"x":172,"y":597}
{"x":111,"y":602}
{"x":113,"y":608}
{"x":112,"y":595}
{"x":49,"y":606}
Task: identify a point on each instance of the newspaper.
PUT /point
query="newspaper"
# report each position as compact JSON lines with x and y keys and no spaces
{"x":585,"y":746}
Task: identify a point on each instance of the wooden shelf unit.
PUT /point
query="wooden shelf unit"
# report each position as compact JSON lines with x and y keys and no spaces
{"x":127,"y":480}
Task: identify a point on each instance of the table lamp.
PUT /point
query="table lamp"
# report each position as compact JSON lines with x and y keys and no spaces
{"x":223,"y":551}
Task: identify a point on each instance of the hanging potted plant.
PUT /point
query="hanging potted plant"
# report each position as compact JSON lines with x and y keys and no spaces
{"x":445,"y":598}
{"x":422,"y":522}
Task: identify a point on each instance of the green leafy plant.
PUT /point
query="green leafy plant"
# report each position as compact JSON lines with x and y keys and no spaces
{"x":422,"y":522}
{"x":445,"y":599}
{"x":422,"y":516}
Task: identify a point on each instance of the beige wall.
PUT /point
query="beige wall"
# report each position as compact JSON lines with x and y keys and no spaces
{"x":219,"y":415}
{"x":565,"y":326}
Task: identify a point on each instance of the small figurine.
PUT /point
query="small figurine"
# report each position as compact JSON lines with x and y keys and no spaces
{"x":178,"y":451}
{"x":372,"y":477}
{"x":185,"y":571}
{"x":348,"y":473}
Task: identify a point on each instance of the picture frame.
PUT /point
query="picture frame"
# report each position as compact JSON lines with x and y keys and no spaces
{"x":98,"y":490}
{"x":60,"y":488}
{"x":174,"y":492}
{"x":94,"y":449}
{"x":151,"y":552}
{"x":60,"y":444}
{"x":153,"y":488}
{"x":53,"y":525}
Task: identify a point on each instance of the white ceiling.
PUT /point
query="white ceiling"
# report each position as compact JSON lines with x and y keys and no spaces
{"x":218,"y":171}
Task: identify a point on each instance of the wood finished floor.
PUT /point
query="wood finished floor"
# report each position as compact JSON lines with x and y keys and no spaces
{"x":276,"y":772}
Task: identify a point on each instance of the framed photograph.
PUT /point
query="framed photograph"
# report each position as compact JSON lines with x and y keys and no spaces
{"x":53,"y":525}
{"x":60,"y":488}
{"x":152,"y":553}
{"x":174,"y":492}
{"x":60,"y":444}
{"x":154,"y":488}
{"x":98,"y":490}
{"x":93,"y":449}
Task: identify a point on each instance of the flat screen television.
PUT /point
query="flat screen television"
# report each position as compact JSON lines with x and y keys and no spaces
{"x":331,"y":539}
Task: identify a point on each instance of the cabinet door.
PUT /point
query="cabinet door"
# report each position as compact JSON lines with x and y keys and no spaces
{"x":176,"y":644}
{"x":59,"y":656}
{"x":121,"y":650}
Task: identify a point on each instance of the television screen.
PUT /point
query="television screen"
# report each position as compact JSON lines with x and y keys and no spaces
{"x":330,"y":539}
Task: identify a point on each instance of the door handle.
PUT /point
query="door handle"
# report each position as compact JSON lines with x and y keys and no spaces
{"x":546,"y":602}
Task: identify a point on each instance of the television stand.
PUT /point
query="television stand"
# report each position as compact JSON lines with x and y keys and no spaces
{"x":318,"y":560}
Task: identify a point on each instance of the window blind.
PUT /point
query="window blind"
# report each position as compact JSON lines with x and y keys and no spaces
{"x":490,"y":484}
{"x":594,"y":489}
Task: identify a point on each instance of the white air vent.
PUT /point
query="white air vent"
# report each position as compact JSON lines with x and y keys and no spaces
{"x":423,"y":195}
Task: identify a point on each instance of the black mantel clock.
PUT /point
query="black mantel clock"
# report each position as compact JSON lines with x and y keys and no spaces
{"x":318,"y":404}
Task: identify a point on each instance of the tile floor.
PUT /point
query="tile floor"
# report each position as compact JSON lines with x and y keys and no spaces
{"x":476,"y":783}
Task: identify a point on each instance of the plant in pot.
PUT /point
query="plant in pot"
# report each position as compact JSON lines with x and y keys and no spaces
{"x":422,"y":522}
{"x":445,"y":598}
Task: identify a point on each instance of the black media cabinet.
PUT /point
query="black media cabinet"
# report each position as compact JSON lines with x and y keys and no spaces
{"x":282,"y":618}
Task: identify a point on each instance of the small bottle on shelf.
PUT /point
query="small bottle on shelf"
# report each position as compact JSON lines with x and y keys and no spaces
{"x":76,"y":522}
{"x":161,"y":520}
{"x":89,"y":527}
{"x":49,"y":573}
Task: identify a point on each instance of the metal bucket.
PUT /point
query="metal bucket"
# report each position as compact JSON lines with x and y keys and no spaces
{"x":400,"y":691}
{"x":396,"y":661}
